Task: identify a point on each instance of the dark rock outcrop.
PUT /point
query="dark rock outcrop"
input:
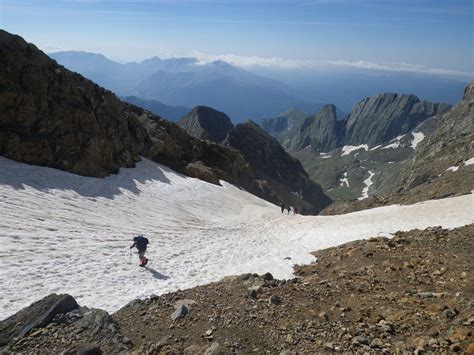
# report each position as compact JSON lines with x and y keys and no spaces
{"x":206,"y":123}
{"x":37,"y":315}
{"x":323,"y":132}
{"x":53,"y":117}
{"x":378,"y":119}
{"x":276,"y":168}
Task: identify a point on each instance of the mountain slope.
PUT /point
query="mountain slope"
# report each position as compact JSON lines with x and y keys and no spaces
{"x":441,"y":165}
{"x":276,"y":168}
{"x":56,"y":118}
{"x":446,"y":150}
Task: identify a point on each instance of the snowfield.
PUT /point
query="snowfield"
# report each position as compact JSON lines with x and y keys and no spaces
{"x":65,"y":233}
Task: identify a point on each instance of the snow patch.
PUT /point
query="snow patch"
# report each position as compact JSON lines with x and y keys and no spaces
{"x":67,"y":233}
{"x":368,"y":183}
{"x":417,"y":138}
{"x":376,"y":147}
{"x":347,"y":149}
{"x":325,"y":156}
{"x":395,"y":144}
{"x":344,"y":181}
{"x":469,"y":162}
{"x":453,"y":168}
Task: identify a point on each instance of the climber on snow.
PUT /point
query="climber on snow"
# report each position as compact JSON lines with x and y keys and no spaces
{"x":140,"y":242}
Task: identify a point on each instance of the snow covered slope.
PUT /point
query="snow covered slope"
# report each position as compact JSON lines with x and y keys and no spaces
{"x":61,"y":232}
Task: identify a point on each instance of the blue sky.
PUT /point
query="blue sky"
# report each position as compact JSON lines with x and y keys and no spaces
{"x":429,"y":34}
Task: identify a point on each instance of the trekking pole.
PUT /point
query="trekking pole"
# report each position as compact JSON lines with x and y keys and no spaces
{"x":130,"y":258}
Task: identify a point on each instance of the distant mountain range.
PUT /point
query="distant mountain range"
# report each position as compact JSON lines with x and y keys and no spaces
{"x":188,"y":82}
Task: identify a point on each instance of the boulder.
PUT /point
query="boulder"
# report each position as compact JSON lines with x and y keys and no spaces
{"x":37,"y":315}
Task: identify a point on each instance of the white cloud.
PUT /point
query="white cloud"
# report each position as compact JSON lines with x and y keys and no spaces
{"x":274,"y":62}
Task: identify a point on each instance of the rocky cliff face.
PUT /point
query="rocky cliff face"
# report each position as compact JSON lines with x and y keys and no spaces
{"x":206,"y":123}
{"x":50,"y":116}
{"x":276,"y":169}
{"x":378,"y":119}
{"x":321,"y":132}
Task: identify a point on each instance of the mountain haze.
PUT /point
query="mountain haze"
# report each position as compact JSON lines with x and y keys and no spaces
{"x":188,"y":82}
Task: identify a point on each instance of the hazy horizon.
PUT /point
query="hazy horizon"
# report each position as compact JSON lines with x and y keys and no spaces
{"x":433,"y":36}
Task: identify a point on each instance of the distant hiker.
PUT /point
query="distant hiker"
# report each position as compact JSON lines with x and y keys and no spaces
{"x":295,"y":210}
{"x":140,"y":242}
{"x":288,"y":208}
{"x":282,"y":207}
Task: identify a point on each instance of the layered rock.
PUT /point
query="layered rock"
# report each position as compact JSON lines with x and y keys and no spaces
{"x":206,"y":123}
{"x":276,"y":168}
{"x":378,"y":119}
{"x":322,"y":132}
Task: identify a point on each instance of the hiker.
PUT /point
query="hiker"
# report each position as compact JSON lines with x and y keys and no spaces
{"x":140,"y":242}
{"x":288,"y":208}
{"x":282,"y":207}
{"x":295,"y":210}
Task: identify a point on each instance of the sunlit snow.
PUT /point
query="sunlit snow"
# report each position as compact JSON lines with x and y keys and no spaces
{"x":368,"y":183}
{"x":347,"y":149}
{"x":417,"y":138}
{"x":70,"y":234}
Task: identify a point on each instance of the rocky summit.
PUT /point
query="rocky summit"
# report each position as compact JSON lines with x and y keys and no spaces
{"x":206,"y":123}
{"x":382,"y":295}
{"x":56,"y":118}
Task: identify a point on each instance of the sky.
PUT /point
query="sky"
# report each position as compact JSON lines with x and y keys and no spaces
{"x":431,"y":35}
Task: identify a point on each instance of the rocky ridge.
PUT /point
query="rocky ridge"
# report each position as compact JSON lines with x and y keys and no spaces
{"x":385,"y":295}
